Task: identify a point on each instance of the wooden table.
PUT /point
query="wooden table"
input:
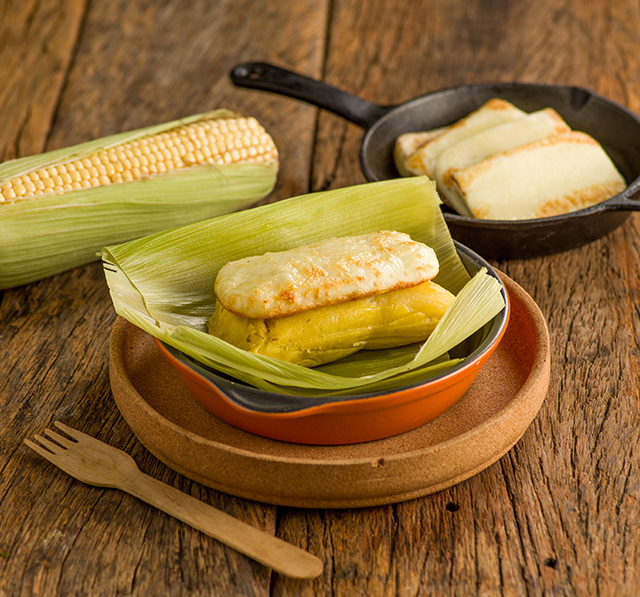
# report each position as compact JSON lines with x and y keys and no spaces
{"x":558,"y":515}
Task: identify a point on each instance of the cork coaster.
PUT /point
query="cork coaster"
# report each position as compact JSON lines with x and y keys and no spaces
{"x":479,"y":429}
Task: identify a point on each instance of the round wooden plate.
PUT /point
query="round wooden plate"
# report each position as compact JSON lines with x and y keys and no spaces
{"x":479,"y":429}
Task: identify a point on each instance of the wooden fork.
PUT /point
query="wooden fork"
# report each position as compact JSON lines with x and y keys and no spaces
{"x":96,"y":463}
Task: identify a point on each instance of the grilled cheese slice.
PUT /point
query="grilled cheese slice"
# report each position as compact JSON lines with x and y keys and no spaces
{"x":330,"y":271}
{"x":531,"y":127}
{"x":321,"y":302}
{"x":557,"y":175}
{"x":490,"y":114}
{"x":408,"y":143}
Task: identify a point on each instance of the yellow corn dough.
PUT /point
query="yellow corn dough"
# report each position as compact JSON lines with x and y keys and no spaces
{"x":332,"y":332}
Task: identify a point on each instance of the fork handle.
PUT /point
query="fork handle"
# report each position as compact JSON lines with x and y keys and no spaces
{"x":270,"y":551}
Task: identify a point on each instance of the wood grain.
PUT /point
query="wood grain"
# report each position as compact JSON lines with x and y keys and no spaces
{"x":129,"y":64}
{"x":37,"y":46}
{"x":536,"y":522}
{"x":556,"y":516}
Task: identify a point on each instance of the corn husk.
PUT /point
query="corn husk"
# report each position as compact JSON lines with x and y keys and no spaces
{"x":46,"y":235}
{"x":164,"y":284}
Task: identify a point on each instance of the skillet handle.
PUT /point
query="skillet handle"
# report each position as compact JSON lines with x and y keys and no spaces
{"x":267,"y":77}
{"x":628,"y":200}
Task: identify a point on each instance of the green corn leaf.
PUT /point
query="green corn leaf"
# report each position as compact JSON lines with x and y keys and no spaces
{"x":47,"y":234}
{"x":164,"y":283}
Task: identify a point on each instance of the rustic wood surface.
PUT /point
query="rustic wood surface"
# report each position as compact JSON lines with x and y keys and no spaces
{"x":557,"y":515}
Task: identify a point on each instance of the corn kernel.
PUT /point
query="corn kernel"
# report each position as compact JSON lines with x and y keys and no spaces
{"x":222,"y":141}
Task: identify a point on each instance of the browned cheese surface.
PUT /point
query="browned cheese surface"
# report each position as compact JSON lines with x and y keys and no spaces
{"x":558,"y":515}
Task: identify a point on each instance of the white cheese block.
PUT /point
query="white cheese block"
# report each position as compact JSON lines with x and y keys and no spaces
{"x":328,"y":272}
{"x":408,"y":143}
{"x":557,"y":175}
{"x":531,"y":127}
{"x":490,"y":114}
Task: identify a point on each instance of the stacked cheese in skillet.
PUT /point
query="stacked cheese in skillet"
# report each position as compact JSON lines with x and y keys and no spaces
{"x":501,"y":163}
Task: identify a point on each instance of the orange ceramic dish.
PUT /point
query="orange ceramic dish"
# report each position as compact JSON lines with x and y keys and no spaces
{"x":339,"y":419}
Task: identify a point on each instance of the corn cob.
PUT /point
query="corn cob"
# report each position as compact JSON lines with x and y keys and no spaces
{"x":58,"y":209}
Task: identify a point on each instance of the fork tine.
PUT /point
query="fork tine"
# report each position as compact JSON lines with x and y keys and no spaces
{"x":51,"y":446}
{"x":65,"y":442}
{"x":87,"y":440}
{"x":71,"y":432}
{"x":40,"y":450}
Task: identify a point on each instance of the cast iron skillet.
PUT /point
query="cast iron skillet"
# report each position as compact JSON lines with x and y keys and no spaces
{"x":615,"y":127}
